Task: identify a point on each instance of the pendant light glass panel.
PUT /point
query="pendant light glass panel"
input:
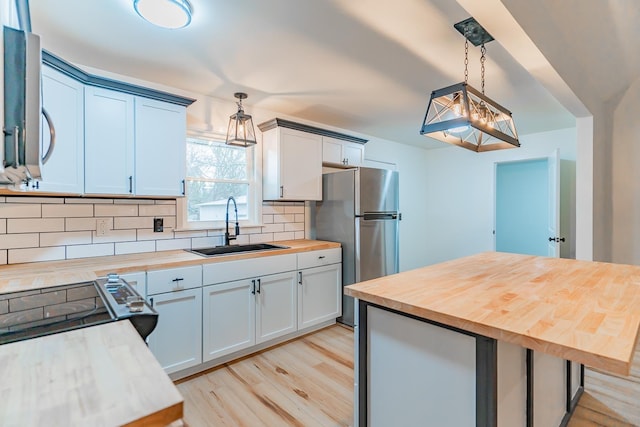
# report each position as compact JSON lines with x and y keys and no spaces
{"x":240,"y":132}
{"x":460,"y":115}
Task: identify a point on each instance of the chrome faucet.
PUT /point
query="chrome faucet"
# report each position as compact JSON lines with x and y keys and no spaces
{"x":227,"y":238}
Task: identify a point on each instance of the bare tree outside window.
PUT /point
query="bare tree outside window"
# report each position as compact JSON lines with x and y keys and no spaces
{"x":216,"y":171}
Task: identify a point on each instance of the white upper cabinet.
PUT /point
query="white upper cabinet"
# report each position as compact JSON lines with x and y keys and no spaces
{"x":160,"y":148}
{"x":339,"y":152}
{"x":292,"y":165}
{"x":109,"y":141}
{"x":133,"y":145}
{"x":62,"y":134}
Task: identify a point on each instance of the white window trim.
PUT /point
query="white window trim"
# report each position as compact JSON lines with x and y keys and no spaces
{"x":255,"y":193}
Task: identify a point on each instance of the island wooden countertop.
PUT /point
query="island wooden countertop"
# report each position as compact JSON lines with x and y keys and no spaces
{"x":97,"y":376}
{"x":588,"y":312}
{"x":20,"y":277}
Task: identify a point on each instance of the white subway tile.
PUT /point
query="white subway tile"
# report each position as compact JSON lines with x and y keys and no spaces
{"x":293,"y":226}
{"x":35,"y":254}
{"x":115,"y":236}
{"x":270,"y":210}
{"x":267,"y":203}
{"x":151,"y":235}
{"x":169,"y":221}
{"x":67,"y":211}
{"x":65,"y":239}
{"x":157,"y":210}
{"x":3,"y":225}
{"x":83,"y":224}
{"x":243,"y":239}
{"x":166,"y":202}
{"x":132,"y":201}
{"x":32,"y":225}
{"x":294,"y":209}
{"x":132,"y":222}
{"x":267,"y":219}
{"x":298,"y":203}
{"x":169,"y":245}
{"x":19,"y":210}
{"x":298,"y":218}
{"x":83,"y":200}
{"x":261,"y":238}
{"x":116,"y":210}
{"x":281,"y":203}
{"x":18,"y":199}
{"x":3,"y":256}
{"x":283,"y":218}
{"x":10,"y":241}
{"x":86,"y":251}
{"x":251,"y":230}
{"x":273,"y":228}
{"x":135,"y":247}
{"x":299,"y":235}
{"x":284,"y":236}
{"x":193,"y":233}
{"x":3,"y":199}
{"x":206,"y":242}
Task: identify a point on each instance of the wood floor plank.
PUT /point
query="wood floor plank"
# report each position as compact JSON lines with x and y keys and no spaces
{"x":309,"y":382}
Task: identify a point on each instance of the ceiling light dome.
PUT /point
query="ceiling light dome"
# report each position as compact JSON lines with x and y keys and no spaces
{"x":164,"y":13}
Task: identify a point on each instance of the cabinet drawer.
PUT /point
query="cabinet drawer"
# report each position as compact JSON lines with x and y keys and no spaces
{"x":318,"y":258}
{"x":229,"y":271}
{"x":174,"y":279}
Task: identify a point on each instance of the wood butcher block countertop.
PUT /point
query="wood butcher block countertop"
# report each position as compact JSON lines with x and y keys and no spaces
{"x":20,"y":277}
{"x":98,"y":376}
{"x":588,"y":312}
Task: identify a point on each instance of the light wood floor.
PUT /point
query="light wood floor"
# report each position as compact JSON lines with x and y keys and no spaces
{"x":309,"y":382}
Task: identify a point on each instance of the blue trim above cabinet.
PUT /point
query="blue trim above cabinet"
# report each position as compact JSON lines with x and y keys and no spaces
{"x":74,"y":72}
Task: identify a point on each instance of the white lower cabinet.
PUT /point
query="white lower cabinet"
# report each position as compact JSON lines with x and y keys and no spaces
{"x":275,"y":306}
{"x":319,"y":295}
{"x":228,"y":317}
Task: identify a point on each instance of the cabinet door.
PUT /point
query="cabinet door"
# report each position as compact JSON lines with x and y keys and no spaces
{"x":300,"y":165}
{"x":177,"y":340}
{"x":319,"y":295}
{"x":353,"y":153}
{"x":63,"y":100}
{"x":160,"y":146}
{"x":109,"y":138}
{"x":331,"y":150}
{"x":275,"y":306}
{"x":228,"y":318}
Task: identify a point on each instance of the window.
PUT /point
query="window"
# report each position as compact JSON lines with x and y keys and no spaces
{"x":216,"y":171}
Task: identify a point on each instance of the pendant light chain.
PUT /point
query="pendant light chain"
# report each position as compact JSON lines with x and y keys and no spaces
{"x":466,"y":59}
{"x":483,"y":58}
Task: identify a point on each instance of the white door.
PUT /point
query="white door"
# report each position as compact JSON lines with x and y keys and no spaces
{"x":331,"y":150}
{"x":109,"y":139}
{"x":228,"y":318}
{"x":177,"y":340}
{"x":527,"y":206}
{"x":300,"y":165}
{"x":276,"y":303}
{"x":353,"y":153}
{"x":319,"y":294}
{"x":63,"y":100}
{"x":160,"y":148}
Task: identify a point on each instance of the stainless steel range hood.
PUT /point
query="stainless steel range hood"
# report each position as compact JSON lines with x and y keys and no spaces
{"x":22,"y":106}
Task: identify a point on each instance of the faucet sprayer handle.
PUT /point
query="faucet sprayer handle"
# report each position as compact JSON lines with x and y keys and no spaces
{"x":237,"y":228}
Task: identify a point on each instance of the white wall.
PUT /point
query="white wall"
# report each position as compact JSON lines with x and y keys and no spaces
{"x":459,"y":193}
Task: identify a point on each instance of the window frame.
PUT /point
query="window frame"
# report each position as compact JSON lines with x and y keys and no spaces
{"x":254,"y":193}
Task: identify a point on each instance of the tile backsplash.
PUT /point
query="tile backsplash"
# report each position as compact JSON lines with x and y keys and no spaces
{"x":55,"y":228}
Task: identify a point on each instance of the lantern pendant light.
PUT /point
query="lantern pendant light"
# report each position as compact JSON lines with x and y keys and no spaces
{"x":240,"y":132}
{"x":463,"y":116}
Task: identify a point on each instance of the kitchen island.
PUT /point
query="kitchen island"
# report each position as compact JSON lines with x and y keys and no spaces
{"x":98,"y":376}
{"x":490,"y":339}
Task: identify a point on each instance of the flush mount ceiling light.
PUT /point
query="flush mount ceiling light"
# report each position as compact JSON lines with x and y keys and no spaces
{"x":165,"y":13}
{"x":240,"y":132}
{"x":463,"y":116}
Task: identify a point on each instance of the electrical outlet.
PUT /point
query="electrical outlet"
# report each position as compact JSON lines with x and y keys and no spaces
{"x":102,"y":225}
{"x":158,"y":225}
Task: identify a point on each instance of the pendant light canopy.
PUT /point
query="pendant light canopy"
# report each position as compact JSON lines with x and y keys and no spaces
{"x":240,"y":132}
{"x":461,"y":115}
{"x":171,"y":14}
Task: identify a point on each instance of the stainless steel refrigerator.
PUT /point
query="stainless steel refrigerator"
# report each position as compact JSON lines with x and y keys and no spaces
{"x":359,"y":209}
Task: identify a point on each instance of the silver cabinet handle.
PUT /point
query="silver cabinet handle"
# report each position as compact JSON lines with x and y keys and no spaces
{"x":16,"y":143}
{"x":281,"y":191}
{"x":52,"y":138}
{"x":183,"y":187}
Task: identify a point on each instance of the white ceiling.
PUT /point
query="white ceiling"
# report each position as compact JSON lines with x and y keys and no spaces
{"x":366,"y":66}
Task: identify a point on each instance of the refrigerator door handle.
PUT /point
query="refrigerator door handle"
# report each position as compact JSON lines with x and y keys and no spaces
{"x":378,"y":216}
